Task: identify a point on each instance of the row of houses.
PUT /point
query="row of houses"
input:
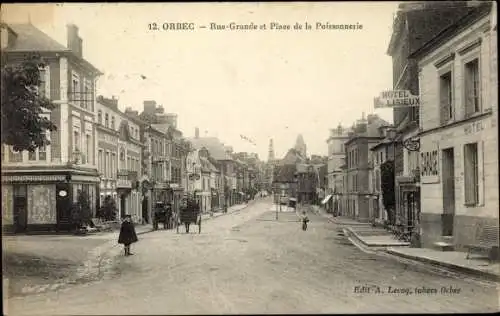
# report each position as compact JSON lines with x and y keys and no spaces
{"x":101,"y":151}
{"x":440,"y":158}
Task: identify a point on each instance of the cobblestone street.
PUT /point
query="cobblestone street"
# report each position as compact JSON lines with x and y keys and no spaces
{"x":248,"y":262}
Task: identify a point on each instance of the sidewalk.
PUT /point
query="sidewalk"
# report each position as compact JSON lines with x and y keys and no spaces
{"x":453,"y":260}
{"x":220,"y":212}
{"x":367,"y":237}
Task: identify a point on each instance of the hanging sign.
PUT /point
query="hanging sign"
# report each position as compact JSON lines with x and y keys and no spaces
{"x":395,"y":99}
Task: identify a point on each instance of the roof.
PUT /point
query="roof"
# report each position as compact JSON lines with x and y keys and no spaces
{"x":384,"y":142}
{"x":424,"y":21}
{"x":470,"y":17}
{"x":31,"y":39}
{"x":214,"y":146}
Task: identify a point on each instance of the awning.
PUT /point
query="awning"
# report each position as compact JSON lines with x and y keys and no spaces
{"x":241,"y":193}
{"x":328,"y":197}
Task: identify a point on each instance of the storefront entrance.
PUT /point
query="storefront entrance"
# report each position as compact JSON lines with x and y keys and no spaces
{"x":20,"y":208}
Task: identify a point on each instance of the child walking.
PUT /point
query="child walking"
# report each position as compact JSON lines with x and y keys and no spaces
{"x":127,"y":234}
{"x":305,"y":220}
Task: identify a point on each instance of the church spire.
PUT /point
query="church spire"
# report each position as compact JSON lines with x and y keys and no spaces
{"x":300,"y":146}
{"x":270,"y":156}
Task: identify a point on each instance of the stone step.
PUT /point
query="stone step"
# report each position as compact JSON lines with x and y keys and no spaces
{"x":444,"y":246}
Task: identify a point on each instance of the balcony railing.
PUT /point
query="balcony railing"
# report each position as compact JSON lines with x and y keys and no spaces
{"x":82,"y":99}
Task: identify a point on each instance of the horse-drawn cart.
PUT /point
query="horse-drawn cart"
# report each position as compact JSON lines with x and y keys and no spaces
{"x":189,"y":213}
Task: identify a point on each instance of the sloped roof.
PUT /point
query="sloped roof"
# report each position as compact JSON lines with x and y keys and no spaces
{"x":30,"y":38}
{"x":212,"y":144}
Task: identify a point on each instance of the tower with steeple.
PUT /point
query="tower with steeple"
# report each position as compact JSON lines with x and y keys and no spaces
{"x":300,"y":146}
{"x":270,"y":155}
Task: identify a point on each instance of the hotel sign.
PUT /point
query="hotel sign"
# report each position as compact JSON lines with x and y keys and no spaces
{"x":396,"y":99}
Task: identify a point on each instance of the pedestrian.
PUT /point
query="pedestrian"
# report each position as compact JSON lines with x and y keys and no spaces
{"x":127,"y":235}
{"x":305,"y":220}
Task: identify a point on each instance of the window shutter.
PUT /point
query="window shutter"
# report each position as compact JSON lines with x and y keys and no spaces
{"x":469,"y":91}
{"x":468,"y":186}
{"x":480,"y":169}
{"x":443,"y":99}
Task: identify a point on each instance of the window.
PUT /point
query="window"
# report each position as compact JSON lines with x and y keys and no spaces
{"x":471,"y":174}
{"x":472,"y":87}
{"x":112,"y":122}
{"x":76,"y":140}
{"x":107,"y":166}
{"x":99,"y":117}
{"x":106,"y":120}
{"x":128,"y":163}
{"x":42,"y":153}
{"x":88,"y":150}
{"x":446,"y":97}
{"x":113,"y":165}
{"x":100,"y":161}
{"x":75,"y":87}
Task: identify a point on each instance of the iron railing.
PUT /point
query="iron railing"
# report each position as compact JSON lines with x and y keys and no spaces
{"x":82,"y":99}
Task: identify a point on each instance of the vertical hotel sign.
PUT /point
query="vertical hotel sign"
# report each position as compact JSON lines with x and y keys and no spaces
{"x":396,"y":99}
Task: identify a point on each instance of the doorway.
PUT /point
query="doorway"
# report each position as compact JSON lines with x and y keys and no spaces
{"x":145,"y":210}
{"x":123,"y":203}
{"x":448,"y":167}
{"x":20,"y":208}
{"x":63,"y":205}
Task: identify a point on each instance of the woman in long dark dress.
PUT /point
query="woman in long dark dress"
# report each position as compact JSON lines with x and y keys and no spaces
{"x":127,"y":234}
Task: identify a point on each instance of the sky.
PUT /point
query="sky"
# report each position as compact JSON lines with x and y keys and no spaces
{"x":262,"y":84}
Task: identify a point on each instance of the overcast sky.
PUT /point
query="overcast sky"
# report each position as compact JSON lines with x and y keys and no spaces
{"x":262,"y":84}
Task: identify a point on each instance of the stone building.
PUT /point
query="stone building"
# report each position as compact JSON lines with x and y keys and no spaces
{"x":336,"y":159}
{"x":119,"y":155}
{"x":39,"y":188}
{"x":459,"y":137}
{"x":364,"y":136}
{"x":415,"y":24}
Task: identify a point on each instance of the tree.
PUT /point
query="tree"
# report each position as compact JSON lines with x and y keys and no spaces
{"x":22,"y":103}
{"x":108,"y":211}
{"x":387,"y":186}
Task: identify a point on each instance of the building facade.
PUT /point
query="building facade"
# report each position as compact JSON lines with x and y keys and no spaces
{"x":415,"y":24}
{"x":380,"y":153}
{"x":336,"y":159}
{"x":119,"y":155}
{"x":365,"y":135}
{"x":40,"y":188}
{"x":459,"y":138}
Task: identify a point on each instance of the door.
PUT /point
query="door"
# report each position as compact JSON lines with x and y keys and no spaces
{"x":20,"y":208}
{"x":63,"y":205}
{"x":448,"y":168}
{"x":122,"y":205}
{"x":145,"y":210}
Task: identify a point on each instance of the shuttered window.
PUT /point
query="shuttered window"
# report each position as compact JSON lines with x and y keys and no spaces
{"x":446,"y":97}
{"x":472,"y":87}
{"x":471,"y":174}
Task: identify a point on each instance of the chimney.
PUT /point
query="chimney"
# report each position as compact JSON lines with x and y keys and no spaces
{"x":74,"y":41}
{"x":149,"y":107}
{"x":197,"y":133}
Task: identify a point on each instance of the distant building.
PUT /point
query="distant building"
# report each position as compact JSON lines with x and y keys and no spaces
{"x":365,"y":135}
{"x":336,"y":159}
{"x":300,"y":146}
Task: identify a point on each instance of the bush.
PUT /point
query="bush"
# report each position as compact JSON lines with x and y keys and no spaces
{"x":108,"y":211}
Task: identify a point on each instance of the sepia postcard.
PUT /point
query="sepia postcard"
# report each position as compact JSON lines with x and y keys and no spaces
{"x":250,"y":158}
